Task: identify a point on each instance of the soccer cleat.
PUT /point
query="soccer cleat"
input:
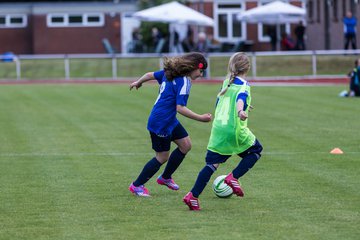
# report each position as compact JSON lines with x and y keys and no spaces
{"x":234,"y":184}
{"x":191,"y":201}
{"x":167,"y":182}
{"x":140,"y":191}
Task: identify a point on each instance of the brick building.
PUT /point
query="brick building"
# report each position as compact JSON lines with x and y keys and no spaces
{"x":80,"y":27}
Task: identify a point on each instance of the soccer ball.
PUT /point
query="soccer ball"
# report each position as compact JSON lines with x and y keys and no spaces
{"x":221,"y":189}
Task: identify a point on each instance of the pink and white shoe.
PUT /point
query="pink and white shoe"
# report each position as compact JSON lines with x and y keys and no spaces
{"x":140,"y":191}
{"x":192,"y":202}
{"x":234,"y":184}
{"x":167,"y":182}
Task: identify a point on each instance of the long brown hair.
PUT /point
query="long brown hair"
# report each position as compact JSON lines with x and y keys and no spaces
{"x":239,"y":64}
{"x":183,"y":65}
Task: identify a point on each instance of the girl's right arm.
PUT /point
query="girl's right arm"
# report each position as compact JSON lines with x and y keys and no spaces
{"x":146,"y":77}
{"x":192,"y":115}
{"x":240,"y":110}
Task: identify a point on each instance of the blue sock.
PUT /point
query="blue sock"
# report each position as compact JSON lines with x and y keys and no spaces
{"x":150,"y":168}
{"x":202,"y":180}
{"x":173,"y":163}
{"x":245,"y":165}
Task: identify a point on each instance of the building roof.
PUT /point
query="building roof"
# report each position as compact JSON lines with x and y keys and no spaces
{"x":65,"y":7}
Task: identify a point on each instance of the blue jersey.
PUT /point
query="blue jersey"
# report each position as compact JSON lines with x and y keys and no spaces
{"x":162,"y":119}
{"x":349,"y":25}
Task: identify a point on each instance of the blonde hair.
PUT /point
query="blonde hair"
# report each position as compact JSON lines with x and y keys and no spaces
{"x":239,"y":64}
{"x":183,"y":65}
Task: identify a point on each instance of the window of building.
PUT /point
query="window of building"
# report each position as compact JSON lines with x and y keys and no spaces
{"x":75,"y":20}
{"x":13,"y":21}
{"x":227,"y":27}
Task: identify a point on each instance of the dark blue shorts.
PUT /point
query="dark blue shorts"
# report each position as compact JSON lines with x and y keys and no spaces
{"x":162,"y":144}
{"x":214,"y":158}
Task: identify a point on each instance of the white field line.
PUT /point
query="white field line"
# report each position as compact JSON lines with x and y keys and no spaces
{"x":44,"y":154}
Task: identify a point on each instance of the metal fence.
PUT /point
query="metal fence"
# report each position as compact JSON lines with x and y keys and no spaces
{"x":258,"y":60}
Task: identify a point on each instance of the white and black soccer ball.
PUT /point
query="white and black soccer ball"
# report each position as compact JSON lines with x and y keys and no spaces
{"x":221,"y":189}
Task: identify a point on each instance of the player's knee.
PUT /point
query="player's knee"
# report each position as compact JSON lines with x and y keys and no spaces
{"x":213,"y":167}
{"x":162,"y":157}
{"x":185,"y":147}
{"x":258,"y":149}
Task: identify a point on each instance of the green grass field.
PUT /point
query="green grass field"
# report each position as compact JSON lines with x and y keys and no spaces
{"x":69,"y":152}
{"x":267,"y":66}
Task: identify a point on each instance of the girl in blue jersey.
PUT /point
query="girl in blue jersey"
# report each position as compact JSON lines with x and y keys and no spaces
{"x":175,"y":83}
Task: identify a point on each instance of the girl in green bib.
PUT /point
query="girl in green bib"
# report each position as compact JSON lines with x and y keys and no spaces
{"x":229,"y":134}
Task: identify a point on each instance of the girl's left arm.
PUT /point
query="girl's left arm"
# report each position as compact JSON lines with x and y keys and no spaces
{"x":206,"y":117}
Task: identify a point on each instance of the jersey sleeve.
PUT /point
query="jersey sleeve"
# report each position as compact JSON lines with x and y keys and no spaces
{"x":183,"y":86}
{"x":243,"y":96}
{"x":159,"y":76}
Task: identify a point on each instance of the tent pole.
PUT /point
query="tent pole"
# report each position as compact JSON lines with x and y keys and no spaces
{"x":278,"y":37}
{"x":172,"y":37}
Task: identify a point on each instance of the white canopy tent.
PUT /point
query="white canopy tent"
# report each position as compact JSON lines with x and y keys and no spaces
{"x":174,"y":13}
{"x":274,"y":13}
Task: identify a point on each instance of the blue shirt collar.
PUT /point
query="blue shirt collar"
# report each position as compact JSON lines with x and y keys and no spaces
{"x":239,"y":81}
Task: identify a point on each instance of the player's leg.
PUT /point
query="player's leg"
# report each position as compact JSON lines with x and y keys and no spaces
{"x":182,"y":140}
{"x":249,"y":158}
{"x":347,"y":41}
{"x":353,"y":41}
{"x":212,"y":162}
{"x":161,"y":145}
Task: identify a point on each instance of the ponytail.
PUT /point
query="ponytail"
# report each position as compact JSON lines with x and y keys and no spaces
{"x":239,"y":64}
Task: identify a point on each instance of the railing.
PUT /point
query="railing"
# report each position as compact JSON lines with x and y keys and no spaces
{"x":116,"y":73}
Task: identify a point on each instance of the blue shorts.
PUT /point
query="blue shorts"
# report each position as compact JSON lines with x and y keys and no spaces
{"x":215,"y":158}
{"x":162,"y":144}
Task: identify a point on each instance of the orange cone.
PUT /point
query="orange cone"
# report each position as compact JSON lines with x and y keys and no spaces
{"x":336,"y":151}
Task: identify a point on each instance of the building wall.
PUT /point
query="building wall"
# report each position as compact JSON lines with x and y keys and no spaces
{"x":38,"y":38}
{"x":322,"y":31}
{"x":17,"y":40}
{"x":317,"y":27}
{"x":53,"y":40}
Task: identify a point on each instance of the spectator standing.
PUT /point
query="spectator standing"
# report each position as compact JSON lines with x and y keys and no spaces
{"x":273,"y":37}
{"x":299,"y":33}
{"x":156,"y":36}
{"x":350,"y":30}
{"x":136,"y":43}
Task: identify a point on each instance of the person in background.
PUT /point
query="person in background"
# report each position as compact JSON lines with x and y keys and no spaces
{"x":229,"y":134}
{"x":156,"y":36}
{"x":202,"y":43}
{"x":175,"y":83}
{"x":188,"y":42}
{"x":287,"y":43}
{"x":136,"y":43}
{"x":273,"y":37}
{"x":350,"y":30}
{"x":299,"y":33}
{"x":354,"y":89}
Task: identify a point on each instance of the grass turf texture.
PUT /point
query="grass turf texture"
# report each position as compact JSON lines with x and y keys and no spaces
{"x":69,"y":152}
